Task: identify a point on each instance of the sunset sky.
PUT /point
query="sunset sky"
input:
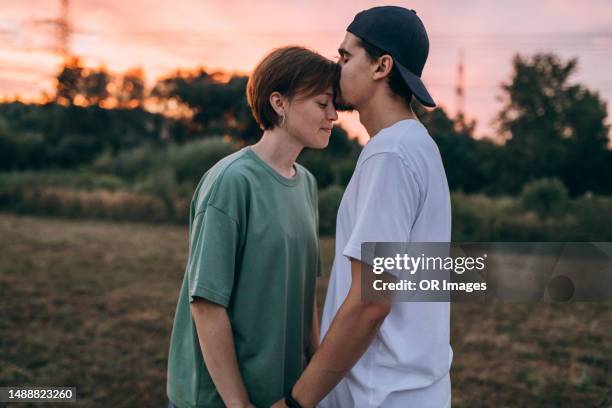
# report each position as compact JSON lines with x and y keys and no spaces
{"x":160,"y":36}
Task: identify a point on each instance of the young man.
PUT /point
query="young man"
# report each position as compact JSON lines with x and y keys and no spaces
{"x":378,"y":354}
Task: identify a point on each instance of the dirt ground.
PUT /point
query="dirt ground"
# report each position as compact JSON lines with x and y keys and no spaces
{"x":90,"y":304}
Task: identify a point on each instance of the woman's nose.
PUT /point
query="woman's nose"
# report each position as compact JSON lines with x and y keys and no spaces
{"x":334,"y":115}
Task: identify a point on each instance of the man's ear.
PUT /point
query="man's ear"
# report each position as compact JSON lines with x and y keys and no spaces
{"x":383,"y":67}
{"x":277,"y":101}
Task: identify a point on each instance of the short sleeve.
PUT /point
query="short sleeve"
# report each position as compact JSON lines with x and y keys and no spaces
{"x":319,"y":261}
{"x":211,"y":266}
{"x":314,"y":193}
{"x":388,"y":197}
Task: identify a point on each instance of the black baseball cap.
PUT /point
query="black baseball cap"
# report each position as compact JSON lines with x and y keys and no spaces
{"x":401,"y":33}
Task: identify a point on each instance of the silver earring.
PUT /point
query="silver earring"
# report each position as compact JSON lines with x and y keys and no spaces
{"x":282,"y":123}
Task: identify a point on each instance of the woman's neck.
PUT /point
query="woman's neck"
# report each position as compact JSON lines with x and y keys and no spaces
{"x":280,"y":150}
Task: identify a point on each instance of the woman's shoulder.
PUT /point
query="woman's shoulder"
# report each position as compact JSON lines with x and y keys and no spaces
{"x":222,"y":181}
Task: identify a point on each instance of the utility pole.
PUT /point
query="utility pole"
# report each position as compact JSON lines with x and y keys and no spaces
{"x":460,"y":89}
{"x":62,"y":28}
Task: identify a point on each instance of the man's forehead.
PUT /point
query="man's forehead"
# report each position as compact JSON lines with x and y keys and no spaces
{"x":349,"y":42}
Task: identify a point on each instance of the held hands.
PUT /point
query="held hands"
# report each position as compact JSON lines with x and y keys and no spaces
{"x":279,"y":404}
{"x":241,"y":405}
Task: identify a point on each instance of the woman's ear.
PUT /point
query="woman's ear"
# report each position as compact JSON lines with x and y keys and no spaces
{"x":277,"y":101}
{"x":383,"y":67}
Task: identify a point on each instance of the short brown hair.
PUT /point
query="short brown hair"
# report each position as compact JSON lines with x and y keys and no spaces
{"x":290,"y":71}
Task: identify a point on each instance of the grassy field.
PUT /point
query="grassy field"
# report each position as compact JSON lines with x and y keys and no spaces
{"x":90,"y":305}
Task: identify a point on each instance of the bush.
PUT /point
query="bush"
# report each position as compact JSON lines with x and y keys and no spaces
{"x":188,"y":161}
{"x":63,"y":179}
{"x":161,"y":184}
{"x":97,"y":204}
{"x":319,"y":165}
{"x":191,"y":160}
{"x":593,"y":217}
{"x":344,"y":171}
{"x":546,"y":197}
{"x":130,"y":164}
{"x":22,"y":150}
{"x":329,"y":202}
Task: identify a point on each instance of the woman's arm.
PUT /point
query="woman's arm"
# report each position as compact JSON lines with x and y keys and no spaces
{"x":217,"y":344}
{"x":315,"y":332}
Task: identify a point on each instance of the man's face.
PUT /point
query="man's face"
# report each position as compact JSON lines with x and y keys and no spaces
{"x":356,"y":76}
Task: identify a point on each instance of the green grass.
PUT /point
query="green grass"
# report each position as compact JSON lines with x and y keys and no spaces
{"x":90,"y":304}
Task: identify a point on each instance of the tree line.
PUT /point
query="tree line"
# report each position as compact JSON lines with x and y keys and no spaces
{"x":548,"y":127}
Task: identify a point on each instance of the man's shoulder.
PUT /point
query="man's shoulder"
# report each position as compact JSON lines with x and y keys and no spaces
{"x":402,"y":138}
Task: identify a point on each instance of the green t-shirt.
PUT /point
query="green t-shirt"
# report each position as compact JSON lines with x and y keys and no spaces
{"x":254,"y":249}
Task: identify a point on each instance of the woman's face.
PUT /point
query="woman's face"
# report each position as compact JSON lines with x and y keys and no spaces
{"x":310,"y":119}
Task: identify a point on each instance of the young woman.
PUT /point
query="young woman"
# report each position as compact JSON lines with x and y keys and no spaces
{"x":246,"y":321}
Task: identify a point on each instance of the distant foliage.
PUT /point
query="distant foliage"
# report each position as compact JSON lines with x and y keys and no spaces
{"x":547,"y":197}
{"x":552,"y":127}
{"x":191,"y":160}
{"x":555,"y":128}
{"x":333,"y":164}
{"x":217,"y":102}
{"x":95,"y":86}
{"x":319,"y":166}
{"x":132,"y":163}
{"x":329,"y":202}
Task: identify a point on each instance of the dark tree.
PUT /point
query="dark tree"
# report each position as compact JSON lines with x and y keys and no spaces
{"x":554,"y":128}
{"x":69,"y":82}
{"x":218,"y":102}
{"x":130,"y":89}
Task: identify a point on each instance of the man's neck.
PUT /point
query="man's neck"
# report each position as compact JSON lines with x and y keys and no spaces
{"x":380,"y":114}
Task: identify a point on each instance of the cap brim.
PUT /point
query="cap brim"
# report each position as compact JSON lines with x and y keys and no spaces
{"x":416,"y":86}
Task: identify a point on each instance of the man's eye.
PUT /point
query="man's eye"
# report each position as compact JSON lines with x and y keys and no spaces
{"x":323,"y":105}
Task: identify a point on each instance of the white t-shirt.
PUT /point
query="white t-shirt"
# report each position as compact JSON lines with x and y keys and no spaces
{"x":398,"y":193}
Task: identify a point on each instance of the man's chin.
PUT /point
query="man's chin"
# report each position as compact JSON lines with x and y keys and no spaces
{"x":342,"y":105}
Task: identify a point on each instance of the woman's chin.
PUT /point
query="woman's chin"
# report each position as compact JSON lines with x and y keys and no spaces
{"x":322,"y":144}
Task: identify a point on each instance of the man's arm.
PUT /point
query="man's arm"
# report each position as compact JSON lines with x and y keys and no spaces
{"x":349,"y":336}
{"x":217,"y":344}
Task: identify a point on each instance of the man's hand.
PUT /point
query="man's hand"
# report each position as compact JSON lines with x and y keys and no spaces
{"x":279,"y":404}
{"x":353,"y":328}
